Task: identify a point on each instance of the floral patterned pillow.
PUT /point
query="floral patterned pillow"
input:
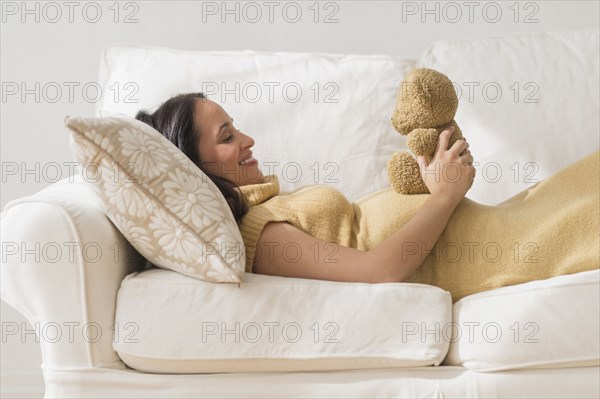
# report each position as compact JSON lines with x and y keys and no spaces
{"x":167,"y":208}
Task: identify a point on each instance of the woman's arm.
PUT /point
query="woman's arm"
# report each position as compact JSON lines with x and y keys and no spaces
{"x":408,"y":247}
{"x":448,"y":177}
{"x":284,"y":250}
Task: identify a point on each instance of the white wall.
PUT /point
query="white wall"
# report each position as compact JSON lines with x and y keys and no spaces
{"x":56,"y":53}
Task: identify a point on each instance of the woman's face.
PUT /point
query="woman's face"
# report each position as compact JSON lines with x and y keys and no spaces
{"x":222,"y":147}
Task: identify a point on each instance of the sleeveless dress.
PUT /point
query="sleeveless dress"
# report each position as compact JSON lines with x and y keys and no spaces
{"x":549,"y":229}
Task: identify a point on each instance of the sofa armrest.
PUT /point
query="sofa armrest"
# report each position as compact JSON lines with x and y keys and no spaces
{"x":62,"y":264}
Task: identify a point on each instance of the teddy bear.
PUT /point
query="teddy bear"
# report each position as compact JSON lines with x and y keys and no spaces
{"x":426,"y":103}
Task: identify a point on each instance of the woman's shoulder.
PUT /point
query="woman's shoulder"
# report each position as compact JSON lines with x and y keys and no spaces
{"x":258,"y":193}
{"x":268,"y":194}
{"x":323,"y":195}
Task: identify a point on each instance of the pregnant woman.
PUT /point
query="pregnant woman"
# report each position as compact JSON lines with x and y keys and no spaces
{"x":441,"y":239}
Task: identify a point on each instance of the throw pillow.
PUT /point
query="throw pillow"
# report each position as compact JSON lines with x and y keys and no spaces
{"x":166,"y":207}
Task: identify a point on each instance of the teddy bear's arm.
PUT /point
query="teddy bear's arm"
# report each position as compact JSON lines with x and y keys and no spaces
{"x":424,"y":141}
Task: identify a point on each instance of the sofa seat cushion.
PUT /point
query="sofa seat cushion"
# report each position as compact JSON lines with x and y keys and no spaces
{"x":170,"y":323}
{"x":552,"y":323}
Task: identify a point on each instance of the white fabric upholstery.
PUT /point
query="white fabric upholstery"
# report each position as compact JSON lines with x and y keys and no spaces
{"x":417,"y":382}
{"x":178,"y":324}
{"x":62,"y":264}
{"x":528,"y":104}
{"x":315,"y":118}
{"x":544,"y":323}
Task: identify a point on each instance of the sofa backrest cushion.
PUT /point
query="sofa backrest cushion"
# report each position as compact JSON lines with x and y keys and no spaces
{"x":315,"y":118}
{"x":528,"y":104}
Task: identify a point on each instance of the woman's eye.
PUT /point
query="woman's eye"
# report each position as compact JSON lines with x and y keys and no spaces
{"x":228,"y":138}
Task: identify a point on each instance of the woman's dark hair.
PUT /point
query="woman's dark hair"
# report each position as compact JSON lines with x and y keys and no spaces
{"x":174,"y":119}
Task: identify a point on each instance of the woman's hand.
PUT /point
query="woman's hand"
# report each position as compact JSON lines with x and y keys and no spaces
{"x":450,"y":172}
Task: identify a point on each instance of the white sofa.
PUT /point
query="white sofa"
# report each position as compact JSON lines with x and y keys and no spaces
{"x":130,"y":330}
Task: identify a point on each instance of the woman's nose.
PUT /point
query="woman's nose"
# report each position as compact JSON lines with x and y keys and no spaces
{"x":248,"y":141}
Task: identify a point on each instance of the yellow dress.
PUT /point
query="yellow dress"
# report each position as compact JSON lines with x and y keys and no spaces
{"x":549,"y":229}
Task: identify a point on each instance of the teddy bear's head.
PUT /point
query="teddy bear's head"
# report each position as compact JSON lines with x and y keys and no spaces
{"x":426,"y":99}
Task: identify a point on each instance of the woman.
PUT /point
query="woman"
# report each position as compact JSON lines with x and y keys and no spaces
{"x":315,"y":233}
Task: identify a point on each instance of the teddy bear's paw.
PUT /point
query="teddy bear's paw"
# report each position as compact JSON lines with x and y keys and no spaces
{"x":404,"y":175}
{"x":423,"y":141}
